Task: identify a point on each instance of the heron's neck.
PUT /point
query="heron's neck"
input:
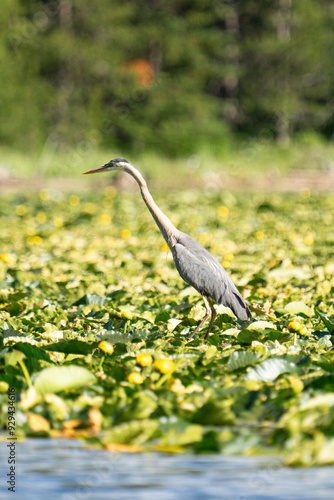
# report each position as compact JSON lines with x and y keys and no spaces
{"x":167,"y":229}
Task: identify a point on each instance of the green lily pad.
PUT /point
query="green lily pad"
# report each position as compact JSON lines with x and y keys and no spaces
{"x":329,"y":323}
{"x":13,"y":357}
{"x":72,"y":347}
{"x":135,"y":432}
{"x":240,"y":359}
{"x":60,"y":378}
{"x":298,"y":307}
{"x":270,"y":369}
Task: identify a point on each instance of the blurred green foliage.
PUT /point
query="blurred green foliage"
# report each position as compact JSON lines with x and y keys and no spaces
{"x":173,"y":77}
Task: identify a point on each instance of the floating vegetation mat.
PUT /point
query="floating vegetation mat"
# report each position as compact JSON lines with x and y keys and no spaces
{"x":94,"y":324}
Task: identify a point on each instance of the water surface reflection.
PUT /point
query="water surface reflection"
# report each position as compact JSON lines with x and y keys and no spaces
{"x":64,"y":470}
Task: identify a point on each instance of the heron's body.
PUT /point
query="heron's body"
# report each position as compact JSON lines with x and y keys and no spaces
{"x":194,"y":263}
{"x":202,"y":270}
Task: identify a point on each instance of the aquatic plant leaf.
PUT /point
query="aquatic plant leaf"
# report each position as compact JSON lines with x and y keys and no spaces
{"x":240,"y":359}
{"x":135,"y":432}
{"x":72,"y":347}
{"x":270,"y":369}
{"x":298,"y":307}
{"x":60,"y":378}
{"x":329,"y":323}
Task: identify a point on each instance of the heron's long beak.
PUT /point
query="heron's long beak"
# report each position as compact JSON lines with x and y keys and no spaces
{"x":96,"y":170}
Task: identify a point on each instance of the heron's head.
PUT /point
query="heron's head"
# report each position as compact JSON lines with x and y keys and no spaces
{"x":116,"y":164}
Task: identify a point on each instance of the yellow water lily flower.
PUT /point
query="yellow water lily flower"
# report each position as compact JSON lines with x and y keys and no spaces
{"x":309,"y":239}
{"x":34,"y":240}
{"x":7,"y":258}
{"x":44,"y":194}
{"x":164,"y":365}
{"x":58,"y":221}
{"x":294,"y":325}
{"x":41,"y":217}
{"x":135,"y":378}
{"x":125,"y":233}
{"x":223,"y":211}
{"x":144,"y":359}
{"x":20,"y":210}
{"x":106,"y":347}
{"x":259,"y":235}
{"x":105,"y":219}
{"x":74,"y":200}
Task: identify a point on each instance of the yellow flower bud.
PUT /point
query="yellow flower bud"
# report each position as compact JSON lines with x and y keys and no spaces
{"x":40,"y":217}
{"x":90,"y":208}
{"x":105,"y":219}
{"x":106,"y":347}
{"x":58,"y":221}
{"x":228,"y":256}
{"x":126,"y":314}
{"x":44,"y":194}
{"x":144,"y":359}
{"x":294,"y":326}
{"x":223,"y":211}
{"x":309,"y":239}
{"x":164,"y":365}
{"x":74,"y":200}
{"x":259,"y":235}
{"x":21,"y":210}
{"x":303,"y":330}
{"x":125,"y":233}
{"x":135,"y":378}
{"x":7,"y":257}
{"x":34,"y":240}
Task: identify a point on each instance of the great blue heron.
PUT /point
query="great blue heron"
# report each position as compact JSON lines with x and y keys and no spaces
{"x":195,"y":264}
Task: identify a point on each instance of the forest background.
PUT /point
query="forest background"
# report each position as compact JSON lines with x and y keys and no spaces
{"x":191,"y":79}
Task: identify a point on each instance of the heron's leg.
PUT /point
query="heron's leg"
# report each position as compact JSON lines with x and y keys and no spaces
{"x":213,"y":317}
{"x":207,"y":315}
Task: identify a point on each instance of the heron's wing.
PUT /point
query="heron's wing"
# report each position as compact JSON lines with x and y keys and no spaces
{"x":201,"y":270}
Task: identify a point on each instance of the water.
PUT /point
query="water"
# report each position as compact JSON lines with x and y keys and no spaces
{"x":64,"y":470}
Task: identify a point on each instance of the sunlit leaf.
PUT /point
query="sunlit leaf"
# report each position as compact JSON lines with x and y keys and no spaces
{"x":13,"y":357}
{"x":248,"y":336}
{"x":329,"y":323}
{"x":270,"y":369}
{"x":60,"y":378}
{"x":326,"y":400}
{"x":89,"y":299}
{"x":298,"y":307}
{"x":260,"y":325}
{"x":172,"y":324}
{"x":135,"y":432}
{"x":240,"y":359}
{"x":32,"y":351}
{"x":72,"y":347}
{"x":224,"y":310}
{"x":209,"y":355}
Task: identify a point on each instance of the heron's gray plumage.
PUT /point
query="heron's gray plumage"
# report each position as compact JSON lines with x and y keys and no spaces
{"x":200,"y":269}
{"x":195,"y":264}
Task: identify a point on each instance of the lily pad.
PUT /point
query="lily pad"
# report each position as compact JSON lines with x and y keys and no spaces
{"x":270,"y":369}
{"x":298,"y":307}
{"x":60,"y":378}
{"x":329,"y":323}
{"x":240,"y":359}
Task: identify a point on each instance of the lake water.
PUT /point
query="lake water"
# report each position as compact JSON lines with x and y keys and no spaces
{"x":64,"y":470}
